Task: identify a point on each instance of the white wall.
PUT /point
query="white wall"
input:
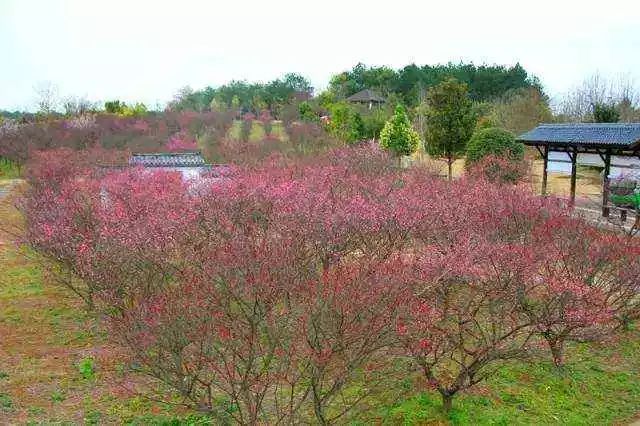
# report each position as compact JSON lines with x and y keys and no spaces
{"x":593,"y":160}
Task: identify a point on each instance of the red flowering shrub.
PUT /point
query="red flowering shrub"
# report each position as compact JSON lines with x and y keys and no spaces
{"x":181,"y":142}
{"x":499,"y":169}
{"x":464,"y":319}
{"x":282,"y":285}
{"x":147,"y":134}
{"x":585,"y":284}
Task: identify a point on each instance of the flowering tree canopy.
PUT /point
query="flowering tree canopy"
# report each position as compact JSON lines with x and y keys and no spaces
{"x":282,"y":287}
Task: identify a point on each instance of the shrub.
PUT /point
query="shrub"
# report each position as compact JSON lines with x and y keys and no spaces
{"x":181,"y":142}
{"x":498,"y":170}
{"x":495,"y":142}
{"x":605,"y":113}
{"x":398,"y":135}
{"x":287,"y":289}
{"x":584,"y":285}
{"x":86,"y":367}
{"x":346,"y":123}
{"x":306,"y":112}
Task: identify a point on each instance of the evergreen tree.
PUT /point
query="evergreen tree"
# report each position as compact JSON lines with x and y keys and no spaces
{"x":398,"y":135}
{"x":605,"y":113}
{"x":450,"y":121}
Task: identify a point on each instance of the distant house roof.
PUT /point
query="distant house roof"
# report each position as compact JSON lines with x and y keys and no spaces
{"x":175,"y":159}
{"x":615,"y":135}
{"x":366,"y":95}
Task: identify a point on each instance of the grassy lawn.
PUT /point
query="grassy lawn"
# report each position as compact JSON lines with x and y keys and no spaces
{"x":8,"y":170}
{"x":601,"y":385}
{"x":57,"y":367}
{"x":257,"y":132}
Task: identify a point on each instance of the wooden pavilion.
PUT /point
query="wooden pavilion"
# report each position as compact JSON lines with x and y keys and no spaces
{"x":366,"y":97}
{"x":603,"y":139}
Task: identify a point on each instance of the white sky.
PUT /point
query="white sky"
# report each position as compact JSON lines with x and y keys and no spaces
{"x":146,"y":50}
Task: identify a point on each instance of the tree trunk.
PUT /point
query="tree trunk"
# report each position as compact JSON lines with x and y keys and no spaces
{"x":318,"y":409}
{"x":447,"y":401}
{"x":450,"y":164}
{"x":557,"y":351}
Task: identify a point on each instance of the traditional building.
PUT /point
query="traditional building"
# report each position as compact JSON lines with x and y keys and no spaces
{"x":366,"y":97}
{"x":611,"y":143}
{"x":190,"y":164}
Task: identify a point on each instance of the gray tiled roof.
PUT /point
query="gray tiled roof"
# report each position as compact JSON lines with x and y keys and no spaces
{"x":626,"y":135}
{"x":178,"y":159}
{"x":365,"y":95}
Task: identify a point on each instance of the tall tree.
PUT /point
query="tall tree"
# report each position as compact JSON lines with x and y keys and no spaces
{"x":450,"y":121}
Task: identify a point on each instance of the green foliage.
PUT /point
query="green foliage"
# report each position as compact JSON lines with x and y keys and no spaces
{"x":235,"y":102}
{"x":93,"y":417}
{"x":493,"y":141}
{"x":306,"y":112}
{"x":450,"y":120}
{"x":605,"y":113}
{"x":485,"y":82}
{"x":57,"y":396}
{"x":346,"y":123}
{"x":121,"y":108}
{"x":244,"y":95}
{"x":114,"y":107}
{"x":188,"y":99}
{"x":6,"y":403}
{"x":245,"y":130}
{"x":137,"y":110}
{"x":9,"y":169}
{"x":217,"y":105}
{"x":374,"y":121}
{"x":398,"y":135}
{"x":86,"y":367}
{"x":257,"y":132}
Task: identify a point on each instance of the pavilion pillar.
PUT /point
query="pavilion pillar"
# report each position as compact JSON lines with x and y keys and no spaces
{"x":605,"y":183}
{"x":574,"y":158}
{"x":545,"y":169}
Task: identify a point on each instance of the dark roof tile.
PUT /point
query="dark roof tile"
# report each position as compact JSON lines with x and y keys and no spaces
{"x":625,"y":135}
{"x":365,"y":95}
{"x":177,"y":159}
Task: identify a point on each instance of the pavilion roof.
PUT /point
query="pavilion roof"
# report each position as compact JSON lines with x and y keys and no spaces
{"x":593,"y":135}
{"x":365,"y":95}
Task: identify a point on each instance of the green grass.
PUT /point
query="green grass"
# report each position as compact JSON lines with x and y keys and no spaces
{"x":9,"y":169}
{"x":257,"y":131}
{"x":600,"y":385}
{"x":278,"y":131}
{"x":235,"y":130}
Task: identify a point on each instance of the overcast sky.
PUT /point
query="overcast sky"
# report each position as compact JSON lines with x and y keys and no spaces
{"x":146,"y":50}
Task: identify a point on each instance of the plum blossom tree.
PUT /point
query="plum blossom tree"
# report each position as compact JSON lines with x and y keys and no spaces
{"x":278,"y":291}
{"x":583,"y":285}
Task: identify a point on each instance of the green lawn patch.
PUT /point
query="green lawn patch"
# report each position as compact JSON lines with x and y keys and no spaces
{"x":600,"y":385}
